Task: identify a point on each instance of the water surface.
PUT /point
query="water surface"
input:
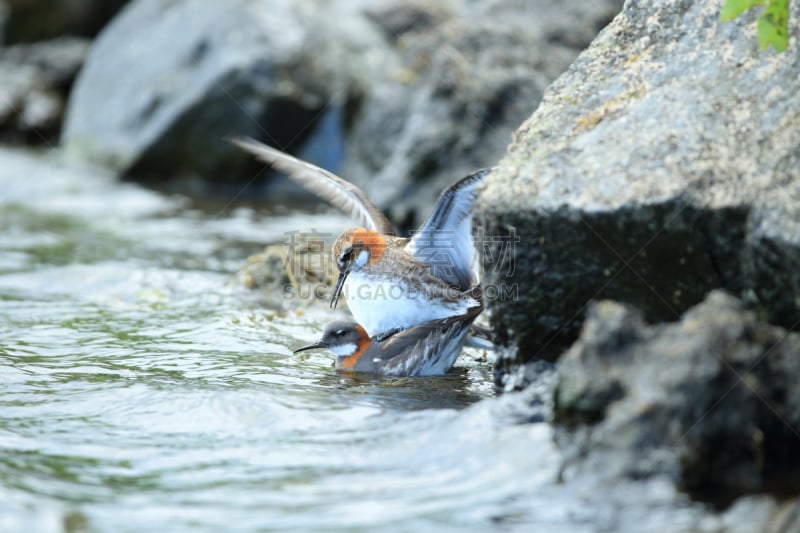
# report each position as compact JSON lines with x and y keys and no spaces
{"x":143,"y":389}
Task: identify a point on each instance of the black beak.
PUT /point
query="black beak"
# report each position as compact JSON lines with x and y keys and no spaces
{"x":337,"y":291}
{"x":319,"y":344}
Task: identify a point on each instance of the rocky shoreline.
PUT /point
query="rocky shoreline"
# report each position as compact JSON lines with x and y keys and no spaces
{"x":709,"y":402}
{"x":660,"y":168}
{"x":661,"y":165}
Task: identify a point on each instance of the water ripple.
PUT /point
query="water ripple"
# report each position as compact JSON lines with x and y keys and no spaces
{"x":141,"y":390}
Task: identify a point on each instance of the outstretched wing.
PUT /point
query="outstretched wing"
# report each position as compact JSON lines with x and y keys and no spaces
{"x":324,"y":184}
{"x":444,"y":242}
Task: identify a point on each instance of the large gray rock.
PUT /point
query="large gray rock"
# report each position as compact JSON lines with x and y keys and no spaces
{"x":34,"y":83}
{"x":463,"y":77}
{"x":711,"y":403}
{"x":409,"y":95}
{"x":662,"y":164}
{"x":167,"y":81}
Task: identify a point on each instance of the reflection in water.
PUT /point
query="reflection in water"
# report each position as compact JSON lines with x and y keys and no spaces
{"x":460,"y":388}
{"x":141,"y":390}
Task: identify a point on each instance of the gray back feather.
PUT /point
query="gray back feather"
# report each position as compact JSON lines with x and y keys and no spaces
{"x":445,"y":241}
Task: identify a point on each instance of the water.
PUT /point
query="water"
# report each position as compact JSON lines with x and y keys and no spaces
{"x":142,"y":389}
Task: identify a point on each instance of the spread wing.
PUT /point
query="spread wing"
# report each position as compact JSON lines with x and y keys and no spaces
{"x":445,"y":240}
{"x":324,"y":184}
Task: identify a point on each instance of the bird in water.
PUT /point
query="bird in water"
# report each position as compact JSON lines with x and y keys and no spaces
{"x":427,"y":349}
{"x":392,"y":283}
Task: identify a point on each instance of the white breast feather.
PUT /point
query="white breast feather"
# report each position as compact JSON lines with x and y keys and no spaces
{"x":343,"y":350}
{"x":381,"y":306}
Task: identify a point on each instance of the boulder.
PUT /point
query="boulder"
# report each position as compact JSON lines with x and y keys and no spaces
{"x":711,"y":402}
{"x":662,"y":164}
{"x":166,"y":82}
{"x":463,"y":77}
{"x":406,"y":95}
{"x":35,"y":80}
{"x":37,"y":20}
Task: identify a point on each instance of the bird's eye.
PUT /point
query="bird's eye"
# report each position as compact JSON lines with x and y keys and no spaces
{"x":346,"y":255}
{"x":339,"y":332}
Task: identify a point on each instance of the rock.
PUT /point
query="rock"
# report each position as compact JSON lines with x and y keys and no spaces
{"x":463,"y":77}
{"x":37,"y":20}
{"x":711,"y":402}
{"x":534,"y":403}
{"x":661,"y":165}
{"x":654,"y":506}
{"x":152,"y":105}
{"x":34,"y":82}
{"x":412,"y":96}
{"x":296,"y":269}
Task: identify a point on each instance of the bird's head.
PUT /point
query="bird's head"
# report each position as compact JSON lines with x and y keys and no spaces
{"x":354,"y":250}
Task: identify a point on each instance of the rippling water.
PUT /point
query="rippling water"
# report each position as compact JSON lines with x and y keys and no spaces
{"x":143,"y":390}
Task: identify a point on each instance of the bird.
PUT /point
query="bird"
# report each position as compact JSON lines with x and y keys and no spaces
{"x":392,"y":283}
{"x":427,"y":349}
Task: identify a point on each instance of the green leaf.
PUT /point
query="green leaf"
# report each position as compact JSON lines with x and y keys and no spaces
{"x":773,"y":25}
{"x":734,"y":8}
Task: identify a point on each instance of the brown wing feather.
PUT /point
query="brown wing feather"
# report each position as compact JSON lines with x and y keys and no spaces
{"x":326,"y":185}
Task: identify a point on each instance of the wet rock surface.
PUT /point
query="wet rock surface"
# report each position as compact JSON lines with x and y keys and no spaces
{"x":708,"y":405}
{"x":661,"y":165}
{"x":298,"y":272}
{"x":710,"y":401}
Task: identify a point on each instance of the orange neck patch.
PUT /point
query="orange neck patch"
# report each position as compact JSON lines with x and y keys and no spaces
{"x":350,"y":361}
{"x":372,"y":241}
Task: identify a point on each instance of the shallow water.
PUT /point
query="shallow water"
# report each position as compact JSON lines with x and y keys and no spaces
{"x":142,"y":389}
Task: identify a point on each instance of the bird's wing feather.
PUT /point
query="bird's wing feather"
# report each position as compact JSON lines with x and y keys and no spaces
{"x":417,"y":348}
{"x":445,"y":240}
{"x":326,"y":185}
{"x":399,"y":342}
